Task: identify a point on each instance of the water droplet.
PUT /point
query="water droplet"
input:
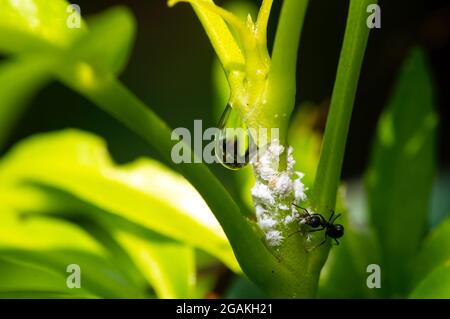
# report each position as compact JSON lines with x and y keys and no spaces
{"x":234,"y":142}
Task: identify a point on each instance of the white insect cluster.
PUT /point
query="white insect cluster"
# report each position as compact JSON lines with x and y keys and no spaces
{"x":275,"y":191}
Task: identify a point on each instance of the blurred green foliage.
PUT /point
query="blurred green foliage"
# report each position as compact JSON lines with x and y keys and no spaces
{"x":146,"y":216}
{"x":140,"y":230}
{"x":399,"y":184}
{"x":402,"y":170}
{"x":122,"y":250}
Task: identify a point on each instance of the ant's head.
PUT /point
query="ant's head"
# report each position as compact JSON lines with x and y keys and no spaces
{"x":335,"y":231}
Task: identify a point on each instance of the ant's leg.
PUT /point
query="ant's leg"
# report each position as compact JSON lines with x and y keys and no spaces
{"x":304,"y":209}
{"x":323,"y":242}
{"x":331,"y":217}
{"x":337,"y":242}
{"x":325,"y":239}
{"x":336,"y":217}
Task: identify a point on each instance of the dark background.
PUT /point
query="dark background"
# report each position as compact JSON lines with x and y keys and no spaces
{"x":170,"y":70}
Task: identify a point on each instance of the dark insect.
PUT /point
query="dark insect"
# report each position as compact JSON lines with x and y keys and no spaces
{"x":319,"y":223}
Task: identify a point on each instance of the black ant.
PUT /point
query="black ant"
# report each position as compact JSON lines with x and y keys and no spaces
{"x":315,"y":221}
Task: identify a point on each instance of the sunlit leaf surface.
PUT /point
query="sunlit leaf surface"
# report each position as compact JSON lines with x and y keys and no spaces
{"x":144,"y":192}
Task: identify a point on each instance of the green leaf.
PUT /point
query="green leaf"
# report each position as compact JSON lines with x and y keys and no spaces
{"x":19,"y":279}
{"x":219,"y":34}
{"x":434,"y":252}
{"x":35,"y":24}
{"x":168,"y":265}
{"x":143,"y":192}
{"x":105,"y":46}
{"x":19,"y":80}
{"x":108,"y":43}
{"x":163,"y":263}
{"x":53,"y":245}
{"x":435,"y":286}
{"x":440,"y":201}
{"x":143,"y":257}
{"x":220,"y":85}
{"x":401,"y":173}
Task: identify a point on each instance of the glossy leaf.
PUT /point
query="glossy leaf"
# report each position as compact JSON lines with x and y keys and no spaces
{"x":401,"y":173}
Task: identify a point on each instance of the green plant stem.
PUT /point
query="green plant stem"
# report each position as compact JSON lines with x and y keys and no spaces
{"x":283,"y":70}
{"x":332,"y":155}
{"x":263,"y":20}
